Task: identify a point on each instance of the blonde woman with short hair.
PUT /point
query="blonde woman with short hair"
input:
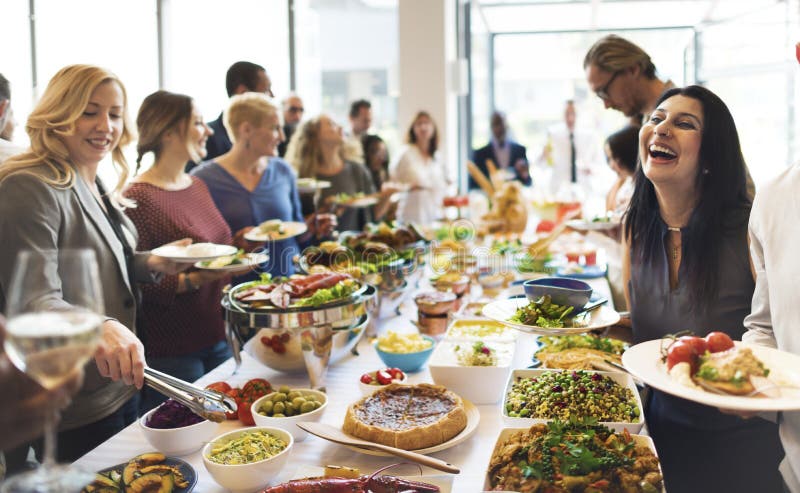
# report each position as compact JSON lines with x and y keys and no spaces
{"x":250,"y":184}
{"x":51,"y":199}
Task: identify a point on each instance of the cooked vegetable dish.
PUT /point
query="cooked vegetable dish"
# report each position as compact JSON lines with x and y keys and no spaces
{"x":544,"y":313}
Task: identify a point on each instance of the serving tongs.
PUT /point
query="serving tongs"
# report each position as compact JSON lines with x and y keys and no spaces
{"x":208,"y":404}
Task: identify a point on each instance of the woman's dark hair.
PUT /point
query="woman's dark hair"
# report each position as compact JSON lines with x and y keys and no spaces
{"x":624,"y":146}
{"x":722,"y":209}
{"x":370,"y":144}
{"x":412,"y":139}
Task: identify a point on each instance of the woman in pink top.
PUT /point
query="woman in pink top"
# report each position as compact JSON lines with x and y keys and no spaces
{"x":181,"y":319}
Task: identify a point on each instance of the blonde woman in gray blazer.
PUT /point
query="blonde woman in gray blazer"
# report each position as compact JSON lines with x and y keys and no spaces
{"x":51,"y":198}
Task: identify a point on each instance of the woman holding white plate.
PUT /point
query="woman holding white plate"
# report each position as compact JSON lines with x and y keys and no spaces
{"x":250,"y":185}
{"x":181,"y":319}
{"x":686,"y":266}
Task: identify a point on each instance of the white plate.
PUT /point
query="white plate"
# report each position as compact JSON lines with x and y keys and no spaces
{"x":290,"y":230}
{"x":249,"y":260}
{"x":443,"y":481}
{"x":358,"y":203}
{"x":178,"y":253}
{"x":473,"y":418}
{"x":583,"y":225}
{"x":310,"y":185}
{"x":505,"y":433}
{"x":502,"y":310}
{"x":644,"y":362}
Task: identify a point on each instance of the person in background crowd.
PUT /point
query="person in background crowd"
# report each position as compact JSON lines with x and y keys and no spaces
{"x":181,"y":319}
{"x":317,"y":152}
{"x":504,"y":153}
{"x":7,"y":123}
{"x":376,"y":157}
{"x":686,"y":266}
{"x":624,"y":77}
{"x":292,"y":114}
{"x":570,"y":154}
{"x":51,"y":198}
{"x":419,"y":168}
{"x":360,"y":121}
{"x":241,"y":77}
{"x":250,"y":185}
{"x":775,"y":315}
{"x":622,"y":151}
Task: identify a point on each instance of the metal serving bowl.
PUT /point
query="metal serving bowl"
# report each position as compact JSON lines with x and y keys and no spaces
{"x":304,"y":337}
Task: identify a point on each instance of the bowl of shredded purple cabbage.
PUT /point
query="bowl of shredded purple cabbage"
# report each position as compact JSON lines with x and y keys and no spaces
{"x":173,"y":429}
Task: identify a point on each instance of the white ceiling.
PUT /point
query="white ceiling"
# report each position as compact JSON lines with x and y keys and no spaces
{"x":505,"y":16}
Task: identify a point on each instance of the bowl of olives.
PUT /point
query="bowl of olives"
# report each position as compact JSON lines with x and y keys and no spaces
{"x":287,"y":406}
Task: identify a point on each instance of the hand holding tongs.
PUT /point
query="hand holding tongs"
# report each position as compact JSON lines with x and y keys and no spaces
{"x":208,"y":404}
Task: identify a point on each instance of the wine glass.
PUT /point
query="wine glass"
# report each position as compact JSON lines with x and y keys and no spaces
{"x":54,"y":301}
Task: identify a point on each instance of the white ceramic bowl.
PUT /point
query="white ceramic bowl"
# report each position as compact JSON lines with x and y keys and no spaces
{"x":477,"y":384}
{"x":288,"y":423}
{"x":368,"y":389}
{"x":621,"y":378}
{"x":246,"y":478}
{"x":178,"y":441}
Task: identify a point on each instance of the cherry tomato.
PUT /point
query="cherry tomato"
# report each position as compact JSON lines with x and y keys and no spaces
{"x":237,"y":396}
{"x":366,"y":378}
{"x":219,"y":386}
{"x":698,"y":343}
{"x":256,"y":388}
{"x":681,"y":352}
{"x":396,"y":373}
{"x":244,"y":413}
{"x":384,"y":377}
{"x":545,"y":226}
{"x":718,"y":341}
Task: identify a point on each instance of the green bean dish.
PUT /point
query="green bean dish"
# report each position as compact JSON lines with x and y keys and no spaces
{"x":544,"y":313}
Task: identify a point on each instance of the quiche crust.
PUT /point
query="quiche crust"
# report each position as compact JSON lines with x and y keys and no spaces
{"x":409,"y":417}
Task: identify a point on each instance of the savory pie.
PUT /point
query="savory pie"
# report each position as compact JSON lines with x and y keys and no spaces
{"x":409,"y":417}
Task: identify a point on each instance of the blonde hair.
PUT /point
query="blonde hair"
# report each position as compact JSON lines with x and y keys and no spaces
{"x":613,"y":53}
{"x":251,"y":107}
{"x":304,"y":151}
{"x":160,"y":113}
{"x":55,"y":115}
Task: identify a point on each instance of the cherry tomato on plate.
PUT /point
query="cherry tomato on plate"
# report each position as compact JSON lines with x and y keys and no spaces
{"x":698,"y":343}
{"x":219,"y":386}
{"x":718,"y":341}
{"x":681,"y":352}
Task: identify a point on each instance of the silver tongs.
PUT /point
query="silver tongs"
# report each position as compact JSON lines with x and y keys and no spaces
{"x":208,"y":404}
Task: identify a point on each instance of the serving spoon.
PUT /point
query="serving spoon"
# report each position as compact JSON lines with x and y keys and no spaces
{"x":336,"y":435}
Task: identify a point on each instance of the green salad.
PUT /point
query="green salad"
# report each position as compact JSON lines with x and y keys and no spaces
{"x":543,"y":313}
{"x":326,"y":295}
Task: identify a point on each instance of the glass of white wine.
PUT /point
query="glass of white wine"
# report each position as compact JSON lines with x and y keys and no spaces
{"x":54,"y":304}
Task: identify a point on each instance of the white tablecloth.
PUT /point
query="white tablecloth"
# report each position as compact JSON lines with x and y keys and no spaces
{"x":471,"y":456}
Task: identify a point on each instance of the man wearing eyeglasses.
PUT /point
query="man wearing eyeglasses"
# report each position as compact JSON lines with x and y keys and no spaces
{"x":624,"y":77}
{"x":292,"y":114}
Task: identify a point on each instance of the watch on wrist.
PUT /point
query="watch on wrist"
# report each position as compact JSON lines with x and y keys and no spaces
{"x":190,"y":286}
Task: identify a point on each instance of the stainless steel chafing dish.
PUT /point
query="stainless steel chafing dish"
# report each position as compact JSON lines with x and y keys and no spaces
{"x":290,"y":339}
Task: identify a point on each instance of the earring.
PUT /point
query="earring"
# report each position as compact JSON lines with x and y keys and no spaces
{"x":706,"y":171}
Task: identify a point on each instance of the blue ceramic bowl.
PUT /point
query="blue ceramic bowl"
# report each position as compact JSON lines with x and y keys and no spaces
{"x":562,"y":290}
{"x":408,"y":362}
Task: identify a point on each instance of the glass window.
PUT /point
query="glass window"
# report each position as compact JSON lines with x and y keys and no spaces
{"x":16,"y":66}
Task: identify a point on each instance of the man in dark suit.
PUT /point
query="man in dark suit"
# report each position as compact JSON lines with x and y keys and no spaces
{"x":292,"y":114}
{"x":241,"y":77}
{"x":504,"y":153}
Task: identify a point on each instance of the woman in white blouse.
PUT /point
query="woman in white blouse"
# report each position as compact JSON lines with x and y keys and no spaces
{"x":419,"y":168}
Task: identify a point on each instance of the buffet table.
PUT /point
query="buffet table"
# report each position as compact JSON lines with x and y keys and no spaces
{"x":471,"y":456}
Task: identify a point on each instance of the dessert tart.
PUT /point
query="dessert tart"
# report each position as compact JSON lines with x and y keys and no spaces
{"x":409,"y":417}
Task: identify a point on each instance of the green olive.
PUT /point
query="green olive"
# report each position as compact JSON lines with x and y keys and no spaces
{"x":278,"y":408}
{"x":285,"y":389}
{"x":266,"y":407}
{"x":293,"y":395}
{"x":297,"y":401}
{"x":307,"y":407}
{"x":279,"y":397}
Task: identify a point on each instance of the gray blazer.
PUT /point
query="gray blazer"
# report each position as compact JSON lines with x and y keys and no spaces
{"x":37,"y":216}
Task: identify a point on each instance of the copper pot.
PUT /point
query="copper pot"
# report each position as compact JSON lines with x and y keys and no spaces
{"x":432,"y":325}
{"x":435,"y":302}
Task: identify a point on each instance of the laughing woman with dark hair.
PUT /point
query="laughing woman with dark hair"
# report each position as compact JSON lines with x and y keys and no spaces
{"x":686,"y":266}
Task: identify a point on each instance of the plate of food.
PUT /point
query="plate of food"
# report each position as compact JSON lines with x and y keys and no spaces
{"x":546,"y":318}
{"x":579,"y":352}
{"x":580,"y":271}
{"x":597,"y":223}
{"x":741,"y":377}
{"x":359,"y":200}
{"x":298,"y":292}
{"x":583,"y":453}
{"x":275,"y":230}
{"x":233,"y":262}
{"x":195,"y":252}
{"x":146,"y":472}
{"x":311,"y":185}
{"x":315,"y":478}
{"x":438,"y":419}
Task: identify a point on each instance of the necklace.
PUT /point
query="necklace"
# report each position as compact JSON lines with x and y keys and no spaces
{"x":675,"y":248}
